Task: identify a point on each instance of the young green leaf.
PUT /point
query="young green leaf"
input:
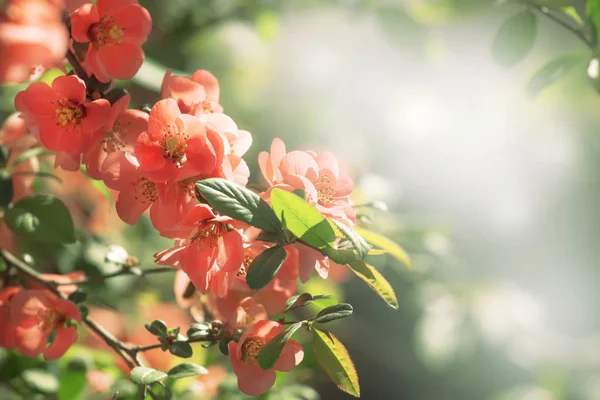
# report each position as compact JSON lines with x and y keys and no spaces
{"x":376,"y":281}
{"x":239,"y":203}
{"x":41,"y":218}
{"x":302,"y":219}
{"x":264,"y":267}
{"x":360,"y":244}
{"x":185,"y":370}
{"x":552,"y":72}
{"x":335,"y":360}
{"x":324,"y":300}
{"x":268,"y":355}
{"x":181,"y":349}
{"x":386,"y":244}
{"x":157,"y":328}
{"x":331,"y":313}
{"x":515,"y":38}
{"x":146,"y":376}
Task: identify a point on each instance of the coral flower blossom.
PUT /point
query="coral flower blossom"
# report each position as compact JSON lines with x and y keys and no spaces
{"x":327,"y":185}
{"x":115,"y":31}
{"x":31,"y":34}
{"x":176,"y":144}
{"x":210,"y":250}
{"x":7,"y":334}
{"x":122,"y":129}
{"x":35,"y":315}
{"x":252,"y":379}
{"x":197,"y":95}
{"x":137,"y":193}
{"x":59,"y":114}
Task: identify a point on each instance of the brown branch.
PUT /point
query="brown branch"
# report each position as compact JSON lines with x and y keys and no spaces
{"x":121,"y":272}
{"x":121,"y":349}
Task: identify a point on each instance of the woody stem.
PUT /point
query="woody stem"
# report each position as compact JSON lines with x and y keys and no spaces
{"x":121,"y":349}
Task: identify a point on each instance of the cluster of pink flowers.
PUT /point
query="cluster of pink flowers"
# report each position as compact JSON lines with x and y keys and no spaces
{"x":153,"y":161}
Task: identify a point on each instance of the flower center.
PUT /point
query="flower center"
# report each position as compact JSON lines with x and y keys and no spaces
{"x":145,"y":190}
{"x":112,"y":142}
{"x":208,"y":234}
{"x":50,"y":319}
{"x":325,"y":192}
{"x":174,"y":145}
{"x":245,"y":264}
{"x":68,"y":114}
{"x":251,"y":348}
{"x":106,"y":32}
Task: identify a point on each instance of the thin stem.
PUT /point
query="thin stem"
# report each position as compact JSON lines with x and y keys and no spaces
{"x":121,"y":272}
{"x":577,"y":32}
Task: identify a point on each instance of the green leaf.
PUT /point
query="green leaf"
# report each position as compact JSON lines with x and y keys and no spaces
{"x":375,"y":280}
{"x":592,"y":10}
{"x":386,"y":244}
{"x":224,"y":346}
{"x":181,"y":349}
{"x":197,"y":330}
{"x":239,"y":203}
{"x":6,"y":189}
{"x":551,"y":73}
{"x":359,"y":243}
{"x":306,"y":298}
{"x":400,"y":26}
{"x":146,"y":376}
{"x":185,"y":370}
{"x":302,"y":219}
{"x":264,"y":267}
{"x":72,"y":383}
{"x":41,"y":218}
{"x":331,"y":313}
{"x":335,"y":360}
{"x":30,"y":153}
{"x":515,"y":38}
{"x":41,"y":380}
{"x":269,"y":354}
{"x":157,"y":328}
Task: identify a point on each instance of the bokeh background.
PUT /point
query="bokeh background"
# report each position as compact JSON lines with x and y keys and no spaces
{"x":494,"y":194}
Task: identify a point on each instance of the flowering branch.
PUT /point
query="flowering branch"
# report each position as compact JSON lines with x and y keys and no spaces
{"x":121,"y":272}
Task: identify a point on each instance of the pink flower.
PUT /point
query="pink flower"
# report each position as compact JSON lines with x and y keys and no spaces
{"x":326,"y":184}
{"x":123,"y":128}
{"x":235,"y":144}
{"x":31,"y":34}
{"x":176,"y":141}
{"x":115,"y":31}
{"x":252,"y":379}
{"x":137,"y":193}
{"x":197,"y":95}
{"x":60,"y":115}
{"x":210,"y":250}
{"x":35,"y":315}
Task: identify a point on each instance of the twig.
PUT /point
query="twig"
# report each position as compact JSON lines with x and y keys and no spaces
{"x":108,"y":338}
{"x":121,"y":272}
{"x":577,"y":32}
